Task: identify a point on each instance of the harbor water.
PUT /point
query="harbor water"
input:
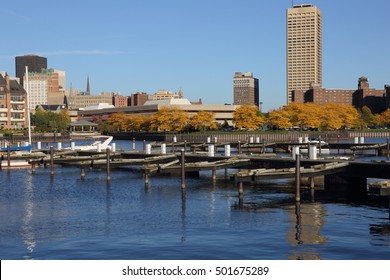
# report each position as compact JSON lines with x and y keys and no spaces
{"x":65,"y":217}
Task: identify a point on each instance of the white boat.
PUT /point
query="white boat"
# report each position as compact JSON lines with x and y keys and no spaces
{"x":15,"y":163}
{"x":95,"y":146}
{"x":317,"y":142}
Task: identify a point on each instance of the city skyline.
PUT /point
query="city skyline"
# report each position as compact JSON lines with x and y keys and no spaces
{"x":131,"y":46}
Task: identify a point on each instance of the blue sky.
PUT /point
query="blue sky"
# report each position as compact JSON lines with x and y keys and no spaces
{"x":196,"y":45}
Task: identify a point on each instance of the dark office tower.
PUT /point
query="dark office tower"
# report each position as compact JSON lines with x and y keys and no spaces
{"x":246,"y":89}
{"x":35,"y":64}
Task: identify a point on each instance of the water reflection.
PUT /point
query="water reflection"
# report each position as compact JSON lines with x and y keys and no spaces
{"x":183,"y":215}
{"x":380,"y":234}
{"x":27,"y":230}
{"x":307,"y":221}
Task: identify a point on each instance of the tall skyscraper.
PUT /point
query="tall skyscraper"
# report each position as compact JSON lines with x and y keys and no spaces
{"x":246,"y":89}
{"x":304,"y":48}
{"x":35,"y":64}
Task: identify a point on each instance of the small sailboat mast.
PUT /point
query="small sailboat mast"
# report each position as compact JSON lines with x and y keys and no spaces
{"x":26,"y":85}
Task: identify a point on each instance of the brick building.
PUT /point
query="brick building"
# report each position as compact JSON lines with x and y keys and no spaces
{"x":377,"y":100}
{"x":13,"y":104}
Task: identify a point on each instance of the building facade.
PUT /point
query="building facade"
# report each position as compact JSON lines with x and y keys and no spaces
{"x":163,"y":94}
{"x":13,"y":104}
{"x":43,"y":87}
{"x":120,"y":100}
{"x":35,"y":64}
{"x":246,"y":89}
{"x":75,"y":102}
{"x":304,"y":48}
{"x":138,"y":99}
{"x":375,"y":99}
{"x":222,"y":112}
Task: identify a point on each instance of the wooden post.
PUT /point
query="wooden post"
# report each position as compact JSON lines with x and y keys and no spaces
{"x":226,"y":174}
{"x":144,"y":147}
{"x":51,"y":160}
{"x":146,"y":178}
{"x":338,"y":141}
{"x":183,"y":169}
{"x":33,"y":168}
{"x":133,"y":144}
{"x":185,"y":145}
{"x":311,"y":180}
{"x":214,"y":174}
{"x":319,"y":140}
{"x":239,"y":147}
{"x":82,"y":169}
{"x":298,"y":178}
{"x":8,"y":156}
{"x":240,"y":189}
{"x":108,"y":163}
{"x":263,"y":151}
{"x":388,"y":148}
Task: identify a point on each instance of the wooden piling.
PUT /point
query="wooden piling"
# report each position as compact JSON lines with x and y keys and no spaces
{"x":82,"y":175}
{"x":239,"y":147}
{"x":183,"y":169}
{"x":298,"y":178}
{"x":319,"y":148}
{"x":388,"y":148}
{"x":226,"y":174}
{"x":51,"y":160}
{"x":8,"y":156}
{"x":108,"y":155}
{"x":146,"y":178}
{"x":214,"y":174}
{"x":311,"y":180}
{"x":240,"y":189}
{"x":263,"y":150}
{"x":133,"y":144}
{"x":33,"y":168}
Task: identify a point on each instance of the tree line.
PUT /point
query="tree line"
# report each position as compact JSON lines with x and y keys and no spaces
{"x":331,"y":116}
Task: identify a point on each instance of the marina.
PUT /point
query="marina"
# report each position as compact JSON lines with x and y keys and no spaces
{"x":133,"y":202}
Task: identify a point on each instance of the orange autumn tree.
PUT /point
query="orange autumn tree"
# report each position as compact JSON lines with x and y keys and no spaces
{"x":336,"y":116}
{"x":385,"y":117}
{"x":136,"y":122}
{"x":117,"y":121}
{"x":203,"y":120}
{"x":169,"y":119}
{"x":279,"y":119}
{"x":247,"y":117}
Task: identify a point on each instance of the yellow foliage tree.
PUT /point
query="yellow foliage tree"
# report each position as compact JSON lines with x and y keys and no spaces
{"x":169,"y":119}
{"x":247,"y":117}
{"x":385,"y":117}
{"x":118,"y":121}
{"x":279,"y":118}
{"x":136,"y":122}
{"x":203,"y":121}
{"x":336,"y":116}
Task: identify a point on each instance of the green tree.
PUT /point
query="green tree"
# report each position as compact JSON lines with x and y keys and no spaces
{"x":49,"y":121}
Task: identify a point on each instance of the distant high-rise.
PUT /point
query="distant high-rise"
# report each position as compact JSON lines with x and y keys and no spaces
{"x":304,"y":48}
{"x":246,"y":89}
{"x":35,"y":64}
